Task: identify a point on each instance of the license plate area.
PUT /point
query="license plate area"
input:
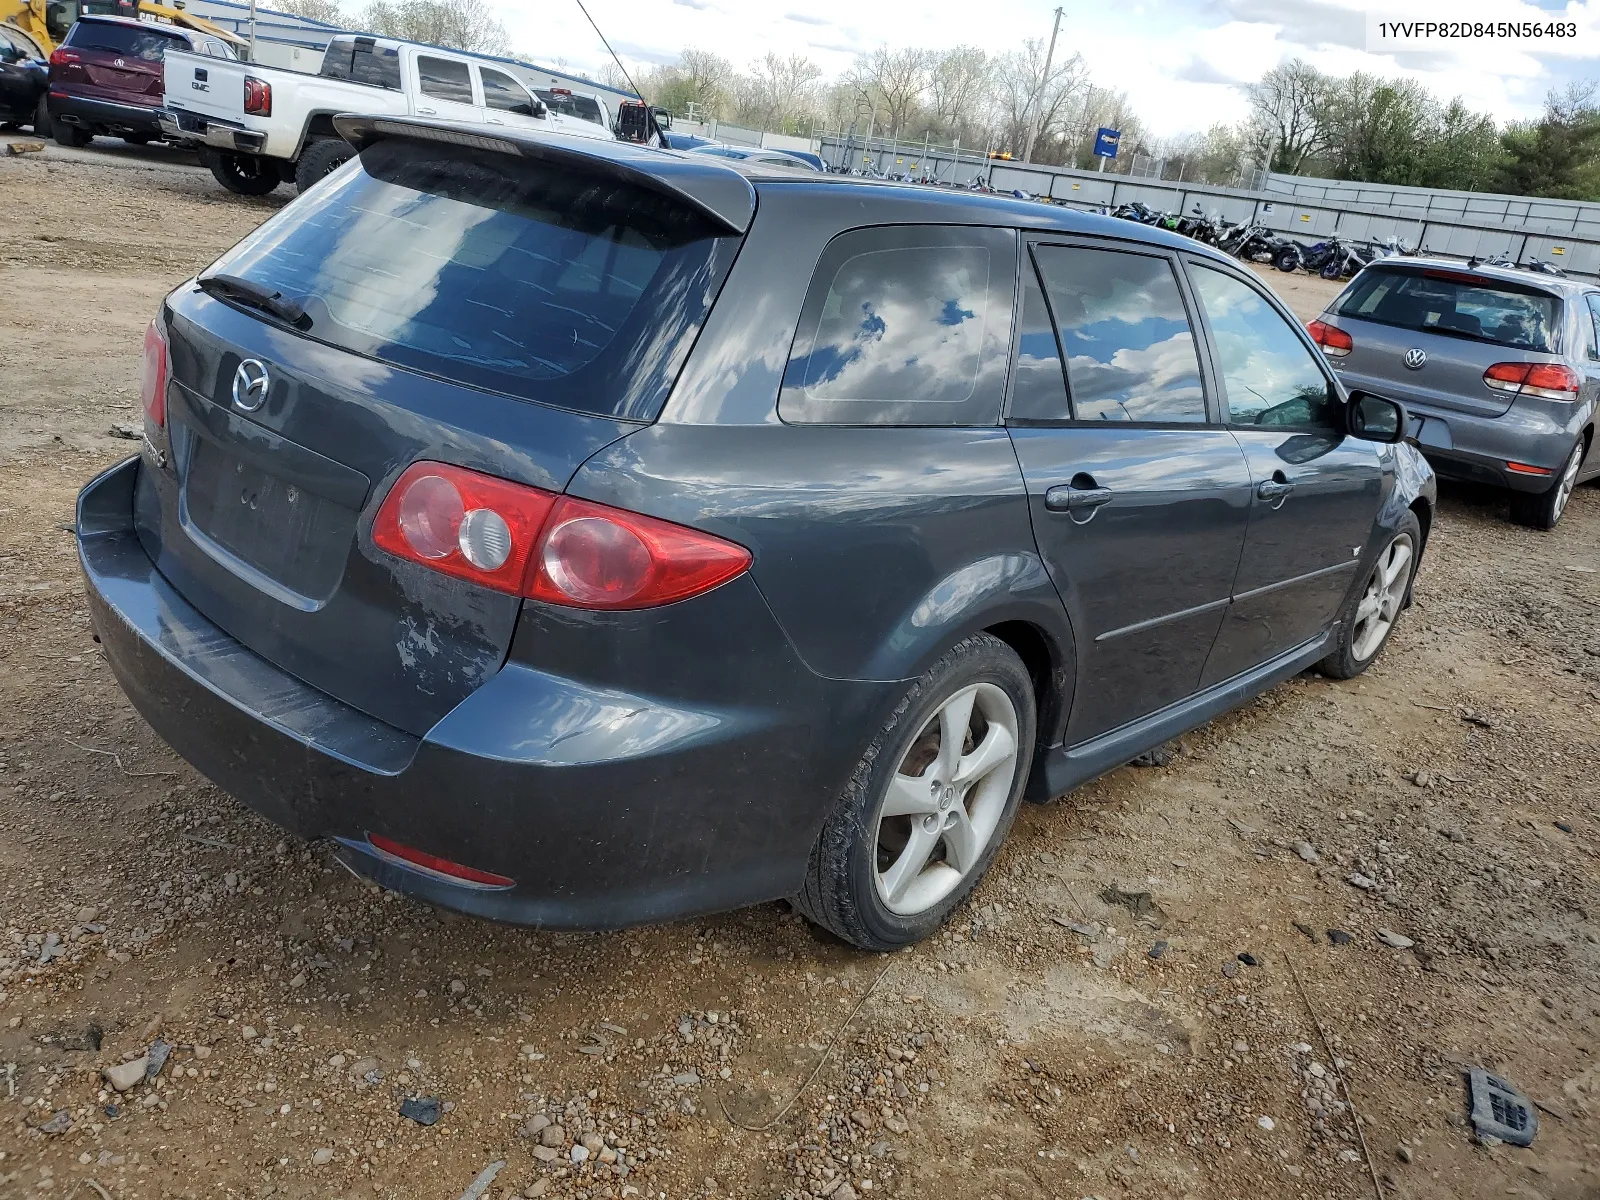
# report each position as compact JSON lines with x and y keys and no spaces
{"x":287,"y":538}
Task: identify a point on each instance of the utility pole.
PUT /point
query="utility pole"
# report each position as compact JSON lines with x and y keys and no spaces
{"x":1044,"y":82}
{"x":252,"y":30}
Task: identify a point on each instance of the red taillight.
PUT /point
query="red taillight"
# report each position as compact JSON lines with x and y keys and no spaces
{"x":472,"y":526}
{"x":1520,"y":468}
{"x":153,"y":374}
{"x":1552,"y":381}
{"x":434,"y":865}
{"x":61,"y":56}
{"x":530,"y":542}
{"x":257,"y":96}
{"x":599,"y":557}
{"x":1335,"y":343}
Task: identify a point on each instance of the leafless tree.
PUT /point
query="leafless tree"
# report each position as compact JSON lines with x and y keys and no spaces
{"x":459,"y":24}
{"x":959,"y":84}
{"x":317,"y":10}
{"x":1289,"y":114}
{"x":778,"y":91}
{"x":1024,"y":93}
{"x":896,"y":80}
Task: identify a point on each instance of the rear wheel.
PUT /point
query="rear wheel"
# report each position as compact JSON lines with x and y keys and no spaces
{"x":70,"y":135}
{"x":1286,"y":259}
{"x":1369,"y":615}
{"x":320,"y":159}
{"x":243,"y":174}
{"x":930,"y":802}
{"x":41,"y":119}
{"x":1543,"y":509}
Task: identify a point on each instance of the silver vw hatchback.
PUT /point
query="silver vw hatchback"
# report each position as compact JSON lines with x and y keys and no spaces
{"x":1498,"y":367}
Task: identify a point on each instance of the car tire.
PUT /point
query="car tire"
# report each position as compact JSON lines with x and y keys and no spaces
{"x":1542,"y":510}
{"x":1286,"y":260}
{"x":136,"y":139}
{"x":243,"y":174}
{"x":41,"y":119}
{"x":70,"y":135}
{"x":882,"y":880}
{"x":1370,"y":613}
{"x":320,"y":159}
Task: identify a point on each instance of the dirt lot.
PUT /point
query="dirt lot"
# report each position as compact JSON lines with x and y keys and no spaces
{"x":1014,"y":1057}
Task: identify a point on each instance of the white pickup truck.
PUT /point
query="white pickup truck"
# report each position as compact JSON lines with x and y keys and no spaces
{"x":257,"y":126}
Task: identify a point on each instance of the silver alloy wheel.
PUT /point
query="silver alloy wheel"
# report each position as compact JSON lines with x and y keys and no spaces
{"x":946,"y":799}
{"x":1385,"y":593}
{"x":1569,"y":480}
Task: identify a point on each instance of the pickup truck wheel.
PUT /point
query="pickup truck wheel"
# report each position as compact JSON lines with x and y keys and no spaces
{"x":70,"y":135}
{"x":243,"y":174}
{"x":321,"y":158}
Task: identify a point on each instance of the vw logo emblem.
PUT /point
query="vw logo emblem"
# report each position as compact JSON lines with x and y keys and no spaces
{"x":250,"y":384}
{"x":1416,"y":358}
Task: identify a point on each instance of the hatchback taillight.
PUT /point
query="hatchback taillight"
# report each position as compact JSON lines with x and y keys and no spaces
{"x":1335,"y":342}
{"x":1552,"y":381}
{"x":153,"y":373}
{"x":257,"y":96}
{"x":530,"y":542}
{"x":61,"y":56}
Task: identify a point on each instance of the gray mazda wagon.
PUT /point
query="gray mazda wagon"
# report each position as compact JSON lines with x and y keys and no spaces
{"x":580,"y":534}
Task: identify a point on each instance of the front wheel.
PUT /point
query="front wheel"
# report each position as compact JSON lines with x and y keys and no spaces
{"x":1542,"y":510}
{"x":1370,"y":614}
{"x":929,"y":803}
{"x":1286,"y":259}
{"x":243,"y":174}
{"x":1332,"y":269}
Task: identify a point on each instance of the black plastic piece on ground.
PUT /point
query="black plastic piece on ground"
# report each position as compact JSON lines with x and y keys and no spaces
{"x":424,"y":1110}
{"x":1339,"y":937}
{"x":1499,"y":1110}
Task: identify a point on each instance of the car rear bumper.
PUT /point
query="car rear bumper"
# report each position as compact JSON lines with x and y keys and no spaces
{"x":607,"y":809}
{"x":1478,"y":448}
{"x":103,"y":114}
{"x":178,"y":125}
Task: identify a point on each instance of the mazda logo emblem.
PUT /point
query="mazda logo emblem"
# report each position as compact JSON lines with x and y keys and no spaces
{"x":250,"y":384}
{"x":1416,"y":358}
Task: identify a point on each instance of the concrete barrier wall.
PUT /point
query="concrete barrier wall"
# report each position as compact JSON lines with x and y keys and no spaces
{"x":1453,"y":224}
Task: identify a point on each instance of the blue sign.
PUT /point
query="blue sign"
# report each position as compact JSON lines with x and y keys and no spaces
{"x":1105,"y":142}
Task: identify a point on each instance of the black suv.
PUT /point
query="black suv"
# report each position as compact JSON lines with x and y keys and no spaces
{"x":582,"y":534}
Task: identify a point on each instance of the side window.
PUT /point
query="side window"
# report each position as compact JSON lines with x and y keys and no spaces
{"x":904,"y":325}
{"x":1038,"y":384}
{"x":444,"y":79}
{"x":504,"y":93}
{"x":1268,"y":373}
{"x":1125,"y":333}
{"x":1594,"y":324}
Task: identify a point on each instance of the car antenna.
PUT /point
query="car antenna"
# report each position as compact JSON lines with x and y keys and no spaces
{"x":650,"y":116}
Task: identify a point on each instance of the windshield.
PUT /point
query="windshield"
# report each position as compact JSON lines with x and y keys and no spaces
{"x":1455,"y":303}
{"x":491,"y":271}
{"x":130,"y":41}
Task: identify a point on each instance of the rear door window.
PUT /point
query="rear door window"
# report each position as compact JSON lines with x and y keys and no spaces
{"x":130,"y":41}
{"x":497,"y":272}
{"x":1457,"y":304}
{"x":905,"y":325}
{"x":444,"y":79}
{"x":1592,"y":321}
{"x":363,"y":60}
{"x":1269,"y":374}
{"x":1125,"y":332}
{"x":1038,"y":382}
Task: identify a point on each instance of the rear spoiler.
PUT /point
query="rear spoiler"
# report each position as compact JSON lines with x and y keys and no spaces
{"x":700,"y":182}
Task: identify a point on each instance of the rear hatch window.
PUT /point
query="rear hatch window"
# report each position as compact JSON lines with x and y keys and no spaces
{"x":1457,"y":304}
{"x":127,"y":41}
{"x":488,"y":270}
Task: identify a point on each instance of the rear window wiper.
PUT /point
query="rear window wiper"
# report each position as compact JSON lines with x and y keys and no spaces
{"x":255,"y":295}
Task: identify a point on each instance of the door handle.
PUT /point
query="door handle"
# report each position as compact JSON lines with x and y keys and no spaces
{"x":427,"y":112}
{"x":1276,"y":488}
{"x":1075,"y":498}
{"x":493,"y":121}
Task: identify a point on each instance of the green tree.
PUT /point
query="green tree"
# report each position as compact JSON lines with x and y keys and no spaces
{"x":1557,"y":155}
{"x":317,"y":10}
{"x":459,"y":24}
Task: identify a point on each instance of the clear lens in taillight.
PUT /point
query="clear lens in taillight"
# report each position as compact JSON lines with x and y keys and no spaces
{"x":1335,"y":342}
{"x":1551,"y":381}
{"x":153,"y":374}
{"x":527,"y":541}
{"x":61,"y":56}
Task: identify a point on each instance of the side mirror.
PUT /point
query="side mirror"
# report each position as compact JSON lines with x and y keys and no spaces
{"x":526,"y":109}
{"x":662,"y":116}
{"x":1375,"y":418}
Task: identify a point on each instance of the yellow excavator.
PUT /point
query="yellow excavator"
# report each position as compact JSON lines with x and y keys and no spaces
{"x":45,"y":22}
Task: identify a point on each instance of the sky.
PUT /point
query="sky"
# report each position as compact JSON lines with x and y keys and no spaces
{"x":1181,"y":61}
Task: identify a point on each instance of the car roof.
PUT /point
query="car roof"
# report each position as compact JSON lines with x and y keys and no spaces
{"x":1489,"y":274}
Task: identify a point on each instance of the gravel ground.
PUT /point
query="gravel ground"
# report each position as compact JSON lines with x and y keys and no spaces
{"x":1115,"y":1014}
